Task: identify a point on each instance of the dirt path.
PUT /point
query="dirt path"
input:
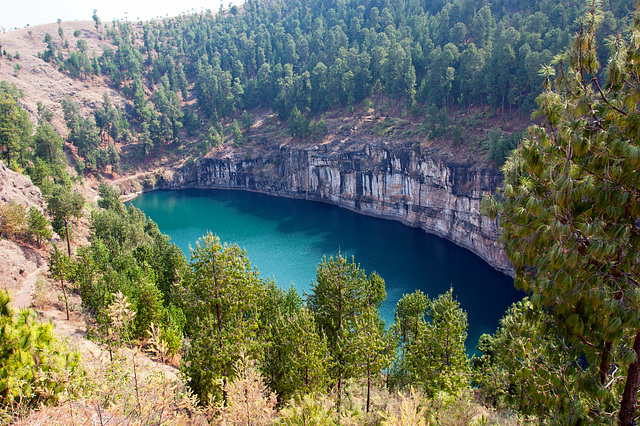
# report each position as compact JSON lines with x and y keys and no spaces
{"x":23,"y":297}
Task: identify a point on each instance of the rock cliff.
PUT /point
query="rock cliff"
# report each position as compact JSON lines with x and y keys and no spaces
{"x":434,"y":192}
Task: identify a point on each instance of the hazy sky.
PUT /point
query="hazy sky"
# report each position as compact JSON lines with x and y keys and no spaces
{"x":19,"y":13}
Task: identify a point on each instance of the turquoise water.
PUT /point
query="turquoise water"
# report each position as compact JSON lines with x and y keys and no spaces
{"x":285,"y":239}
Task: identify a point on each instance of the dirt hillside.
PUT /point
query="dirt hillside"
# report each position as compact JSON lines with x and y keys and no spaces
{"x":18,"y":260}
{"x":40,"y":81}
{"x":43,"y":82}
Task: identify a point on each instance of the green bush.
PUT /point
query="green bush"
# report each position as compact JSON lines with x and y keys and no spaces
{"x":35,"y":368}
{"x":12,"y":220}
{"x":500,"y":146}
{"x":39,"y":227}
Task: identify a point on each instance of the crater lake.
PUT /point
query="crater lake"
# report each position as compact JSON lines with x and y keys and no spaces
{"x":286,"y":238}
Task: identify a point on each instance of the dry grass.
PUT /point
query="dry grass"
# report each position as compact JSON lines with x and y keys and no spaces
{"x":111,"y":396}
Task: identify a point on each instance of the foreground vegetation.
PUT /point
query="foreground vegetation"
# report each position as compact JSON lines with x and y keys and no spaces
{"x":570,"y":225}
{"x":248,"y":341}
{"x":299,"y":346}
{"x":569,"y":354}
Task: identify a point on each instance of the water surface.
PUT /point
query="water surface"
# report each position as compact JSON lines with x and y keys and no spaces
{"x":286,"y":238}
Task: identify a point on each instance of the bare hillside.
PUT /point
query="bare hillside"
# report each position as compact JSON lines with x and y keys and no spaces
{"x":18,"y":260}
{"x":43,"y":82}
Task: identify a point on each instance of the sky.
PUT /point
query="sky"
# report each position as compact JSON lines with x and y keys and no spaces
{"x":19,"y":13}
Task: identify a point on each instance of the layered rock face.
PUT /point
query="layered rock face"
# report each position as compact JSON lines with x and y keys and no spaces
{"x":434,"y":193}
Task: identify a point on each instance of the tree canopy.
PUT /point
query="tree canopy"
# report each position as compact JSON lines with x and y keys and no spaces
{"x":569,"y":214}
{"x":301,"y":59}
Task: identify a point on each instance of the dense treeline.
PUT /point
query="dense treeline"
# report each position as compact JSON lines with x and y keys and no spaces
{"x":302,"y":59}
{"x":300,"y":346}
{"x":317,"y":56}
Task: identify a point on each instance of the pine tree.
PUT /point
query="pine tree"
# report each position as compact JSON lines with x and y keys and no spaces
{"x":437,"y":359}
{"x":342,"y":293}
{"x":409,"y":323}
{"x":409,"y":315}
{"x":236,"y":133}
{"x":38,"y":226}
{"x":539,"y":372}
{"x":372,"y":348}
{"x":15,"y":132}
{"x":61,"y":269}
{"x":35,"y":368}
{"x":48,"y":144}
{"x":570,"y":209}
{"x":221,"y":297}
{"x":296,"y":358}
{"x":64,"y":206}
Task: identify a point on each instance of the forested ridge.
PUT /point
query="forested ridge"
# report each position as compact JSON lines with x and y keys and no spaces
{"x":316,"y":56}
{"x":304,"y":60}
{"x":251,"y":351}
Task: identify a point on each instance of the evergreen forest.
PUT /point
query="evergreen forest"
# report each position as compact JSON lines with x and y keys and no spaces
{"x":251,"y":352}
{"x":192,"y":82}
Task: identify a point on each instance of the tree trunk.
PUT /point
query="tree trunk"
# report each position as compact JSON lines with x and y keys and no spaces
{"x":219,"y":320}
{"x":368,"y":386}
{"x":66,"y":231}
{"x":339,"y":383}
{"x":629,"y":402}
{"x":604,"y":362}
{"x":66,"y":303}
{"x":135,"y":381}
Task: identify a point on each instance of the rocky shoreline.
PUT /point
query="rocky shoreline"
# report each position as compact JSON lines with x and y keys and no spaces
{"x":434,"y":192}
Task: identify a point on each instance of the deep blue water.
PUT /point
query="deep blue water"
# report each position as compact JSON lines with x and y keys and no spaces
{"x":286,"y":238}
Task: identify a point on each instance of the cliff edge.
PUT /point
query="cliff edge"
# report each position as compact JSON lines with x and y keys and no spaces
{"x":433,"y":191}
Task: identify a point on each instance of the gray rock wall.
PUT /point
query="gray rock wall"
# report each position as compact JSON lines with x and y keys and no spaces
{"x":437,"y":194}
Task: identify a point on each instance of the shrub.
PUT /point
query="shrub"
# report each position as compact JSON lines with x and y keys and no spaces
{"x":39,"y":227}
{"x":12,"y":220}
{"x":35,"y":368}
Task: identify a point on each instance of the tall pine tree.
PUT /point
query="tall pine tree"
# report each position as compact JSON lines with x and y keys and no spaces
{"x":571,"y":207}
{"x":341,"y":294}
{"x":221,"y":297}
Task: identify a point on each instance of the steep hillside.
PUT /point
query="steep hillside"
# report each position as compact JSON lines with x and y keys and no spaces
{"x":43,"y":82}
{"x":18,"y":259}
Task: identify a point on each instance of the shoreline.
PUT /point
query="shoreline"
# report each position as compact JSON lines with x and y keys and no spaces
{"x":370,"y":213}
{"x":128,"y":197}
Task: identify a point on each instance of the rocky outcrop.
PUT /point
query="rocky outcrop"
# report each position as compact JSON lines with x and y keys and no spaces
{"x":432,"y":192}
